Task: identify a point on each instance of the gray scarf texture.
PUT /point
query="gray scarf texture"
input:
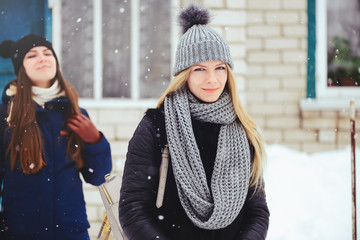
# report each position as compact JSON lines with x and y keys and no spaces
{"x":217,"y":207}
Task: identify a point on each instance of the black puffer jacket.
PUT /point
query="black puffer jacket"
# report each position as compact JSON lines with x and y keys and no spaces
{"x":140,"y":218}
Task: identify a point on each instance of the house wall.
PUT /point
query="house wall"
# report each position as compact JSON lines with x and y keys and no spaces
{"x":276,"y":60}
{"x":118,"y":126}
{"x":268,"y":40}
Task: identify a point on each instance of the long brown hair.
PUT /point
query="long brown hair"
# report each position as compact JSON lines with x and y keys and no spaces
{"x":26,"y":144}
{"x":252,"y":130}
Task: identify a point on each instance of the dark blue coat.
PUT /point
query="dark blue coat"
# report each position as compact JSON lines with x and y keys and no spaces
{"x":138,"y":215}
{"x":50,"y":204}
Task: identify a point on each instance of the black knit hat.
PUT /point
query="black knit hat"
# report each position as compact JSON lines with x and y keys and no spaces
{"x":18,"y":50}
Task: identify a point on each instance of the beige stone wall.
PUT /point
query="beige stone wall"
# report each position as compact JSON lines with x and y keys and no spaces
{"x":276,"y":54}
{"x":268,"y":40}
{"x":276,"y":60}
{"x":118,"y":126}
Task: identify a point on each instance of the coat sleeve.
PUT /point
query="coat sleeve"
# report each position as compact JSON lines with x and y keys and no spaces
{"x":137,"y":210}
{"x":97,"y":160}
{"x":256,"y":215}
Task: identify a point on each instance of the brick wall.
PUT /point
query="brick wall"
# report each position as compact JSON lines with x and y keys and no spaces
{"x":276,"y":41}
{"x":268,"y":40}
{"x":276,"y":60}
{"x":118,"y":126}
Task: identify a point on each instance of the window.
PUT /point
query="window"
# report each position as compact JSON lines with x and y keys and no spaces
{"x":116,"y":50}
{"x":337,"y":39}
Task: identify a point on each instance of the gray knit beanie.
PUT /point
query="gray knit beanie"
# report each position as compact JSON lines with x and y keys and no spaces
{"x":199,"y":43}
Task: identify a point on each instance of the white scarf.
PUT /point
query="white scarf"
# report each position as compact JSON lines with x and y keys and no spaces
{"x":43,"y":95}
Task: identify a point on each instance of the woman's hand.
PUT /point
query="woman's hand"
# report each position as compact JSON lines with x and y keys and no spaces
{"x":85,"y":128}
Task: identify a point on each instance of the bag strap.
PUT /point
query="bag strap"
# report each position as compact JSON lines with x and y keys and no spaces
{"x":158,"y":122}
{"x":162,"y":176}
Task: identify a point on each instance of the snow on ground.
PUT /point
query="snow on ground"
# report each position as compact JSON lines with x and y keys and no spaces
{"x":309,"y":195}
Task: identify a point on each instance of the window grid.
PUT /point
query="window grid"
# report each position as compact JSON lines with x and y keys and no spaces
{"x":318,"y":77}
{"x":98,"y":99}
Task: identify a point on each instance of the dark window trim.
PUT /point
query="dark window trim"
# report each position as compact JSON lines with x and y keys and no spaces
{"x":311,"y":70}
{"x":48,"y":21}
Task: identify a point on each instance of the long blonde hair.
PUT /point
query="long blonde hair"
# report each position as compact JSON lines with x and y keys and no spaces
{"x":26,"y":143}
{"x":252,"y":130}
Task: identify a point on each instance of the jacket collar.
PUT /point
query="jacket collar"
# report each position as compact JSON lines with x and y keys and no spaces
{"x":59,"y":104}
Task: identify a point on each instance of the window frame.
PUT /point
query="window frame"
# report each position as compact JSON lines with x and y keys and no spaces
{"x":98,"y":101}
{"x":318,"y":95}
{"x":321,"y":63}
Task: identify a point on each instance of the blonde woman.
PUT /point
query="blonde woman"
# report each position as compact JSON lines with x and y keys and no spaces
{"x":214,"y":188}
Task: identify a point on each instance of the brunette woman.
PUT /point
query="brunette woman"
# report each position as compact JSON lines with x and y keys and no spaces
{"x":46,"y":142}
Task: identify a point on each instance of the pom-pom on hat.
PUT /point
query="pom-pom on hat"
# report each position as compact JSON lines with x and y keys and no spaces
{"x":18,"y":50}
{"x":199,"y":42}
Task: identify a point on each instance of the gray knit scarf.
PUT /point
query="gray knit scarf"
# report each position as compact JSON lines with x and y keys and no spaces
{"x":218,"y":207}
